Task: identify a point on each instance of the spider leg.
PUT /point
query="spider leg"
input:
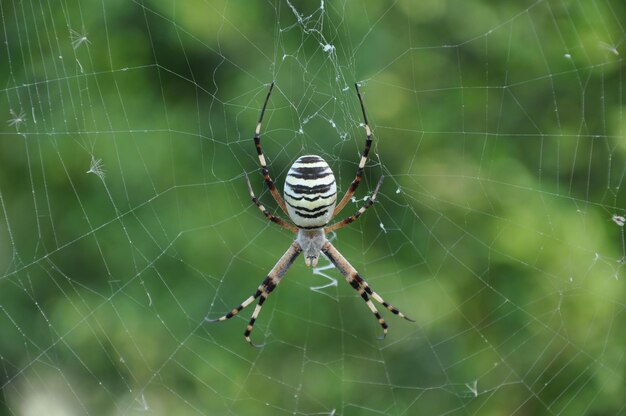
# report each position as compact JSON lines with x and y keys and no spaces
{"x":269,"y":284}
{"x":379,"y":299}
{"x":261,"y":289}
{"x":265,"y":212}
{"x":366,"y":151}
{"x":255,"y":314}
{"x":264,"y":170}
{"x":357,"y":214}
{"x":360,"y":285}
{"x":355,"y":284}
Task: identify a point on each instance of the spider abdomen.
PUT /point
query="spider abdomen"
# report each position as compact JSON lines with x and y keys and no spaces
{"x":310,"y":192}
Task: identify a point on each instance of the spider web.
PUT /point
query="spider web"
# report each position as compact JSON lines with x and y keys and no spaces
{"x":125,"y":218}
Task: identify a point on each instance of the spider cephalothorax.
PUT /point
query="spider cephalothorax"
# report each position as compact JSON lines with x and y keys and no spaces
{"x":311,"y":203}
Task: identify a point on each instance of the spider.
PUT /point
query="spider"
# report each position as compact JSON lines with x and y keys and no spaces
{"x":310,"y":202}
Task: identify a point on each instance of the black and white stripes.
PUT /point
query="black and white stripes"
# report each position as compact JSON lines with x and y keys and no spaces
{"x":311,"y":202}
{"x":310,"y":192}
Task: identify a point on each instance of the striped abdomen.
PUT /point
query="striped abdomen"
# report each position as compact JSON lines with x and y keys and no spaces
{"x":310,"y":192}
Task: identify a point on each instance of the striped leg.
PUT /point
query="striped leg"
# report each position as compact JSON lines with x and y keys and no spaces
{"x":360,"y":285}
{"x":264,"y":170}
{"x":366,"y":151}
{"x":273,"y":218}
{"x":261,"y":289}
{"x":357,"y":214}
{"x":256,"y":313}
{"x":355,"y":284}
{"x":269,"y":284}
{"x":379,"y":299}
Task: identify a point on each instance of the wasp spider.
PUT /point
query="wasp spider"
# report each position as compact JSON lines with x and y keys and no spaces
{"x":311,"y":202}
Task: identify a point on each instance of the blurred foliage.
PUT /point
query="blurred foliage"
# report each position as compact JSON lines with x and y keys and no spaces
{"x":125,"y":219}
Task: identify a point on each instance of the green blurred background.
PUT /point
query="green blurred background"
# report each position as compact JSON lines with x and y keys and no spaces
{"x":125,"y":219}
